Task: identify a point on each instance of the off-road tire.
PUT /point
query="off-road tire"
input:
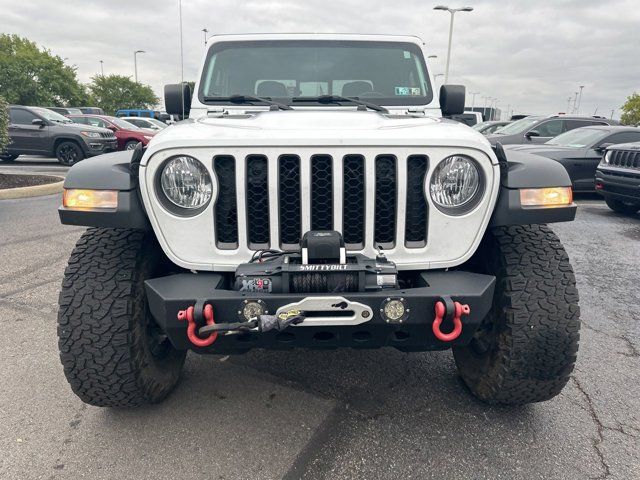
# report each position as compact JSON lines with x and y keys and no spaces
{"x":526,"y":348}
{"x":621,"y":207}
{"x":106,"y":334}
{"x":69,"y":153}
{"x":8,"y":157}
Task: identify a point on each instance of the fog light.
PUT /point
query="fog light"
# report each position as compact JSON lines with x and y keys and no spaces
{"x":394,"y":310}
{"x":81,"y":199}
{"x":252,"y":309}
{"x":546,"y":197}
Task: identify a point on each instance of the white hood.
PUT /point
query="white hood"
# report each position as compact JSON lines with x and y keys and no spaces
{"x":318,"y":127}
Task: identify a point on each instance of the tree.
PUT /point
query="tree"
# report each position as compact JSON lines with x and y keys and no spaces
{"x":31,"y":76}
{"x":115,"y":92}
{"x":631,"y":110}
{"x":4,"y":124}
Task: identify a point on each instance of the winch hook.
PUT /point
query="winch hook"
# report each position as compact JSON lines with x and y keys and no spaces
{"x":456,"y":309}
{"x":193,"y":337}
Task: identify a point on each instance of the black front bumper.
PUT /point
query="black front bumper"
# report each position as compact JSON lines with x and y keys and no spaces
{"x":168,"y":295}
{"x":618,"y":184}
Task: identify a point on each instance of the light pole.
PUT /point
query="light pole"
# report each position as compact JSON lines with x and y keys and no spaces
{"x":580,"y":99}
{"x":575,"y":103}
{"x":205,"y":31}
{"x":569,"y":105}
{"x":452,"y":11}
{"x":135,"y":63}
{"x":102,"y":68}
{"x":473,"y":99}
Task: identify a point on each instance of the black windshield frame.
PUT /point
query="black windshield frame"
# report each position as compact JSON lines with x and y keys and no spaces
{"x":408,"y":100}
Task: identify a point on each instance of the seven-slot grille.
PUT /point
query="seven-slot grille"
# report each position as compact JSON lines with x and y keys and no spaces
{"x":334,"y":188}
{"x":625,"y":158}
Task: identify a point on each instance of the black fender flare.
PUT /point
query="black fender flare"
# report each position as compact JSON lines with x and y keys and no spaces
{"x":111,"y":171}
{"x":523,"y":170}
{"x":68,"y":137}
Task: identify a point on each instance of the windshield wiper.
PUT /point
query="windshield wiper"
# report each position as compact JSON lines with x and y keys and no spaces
{"x":339,"y":98}
{"x":248,"y":99}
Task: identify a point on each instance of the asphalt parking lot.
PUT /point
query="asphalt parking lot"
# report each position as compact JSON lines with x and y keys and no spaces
{"x":319,"y":414}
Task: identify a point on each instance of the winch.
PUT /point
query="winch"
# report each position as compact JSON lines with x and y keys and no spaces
{"x":322,"y":265}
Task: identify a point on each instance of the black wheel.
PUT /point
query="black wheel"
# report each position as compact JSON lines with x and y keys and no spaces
{"x":621,"y":207}
{"x":8,"y":157}
{"x":68,"y":153}
{"x":526,"y":348}
{"x":112,"y":351}
{"x":131,"y":144}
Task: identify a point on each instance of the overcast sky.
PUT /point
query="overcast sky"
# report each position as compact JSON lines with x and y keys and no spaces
{"x":532,"y":55}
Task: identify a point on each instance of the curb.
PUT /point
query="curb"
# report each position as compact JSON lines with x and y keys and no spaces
{"x":34,"y":191}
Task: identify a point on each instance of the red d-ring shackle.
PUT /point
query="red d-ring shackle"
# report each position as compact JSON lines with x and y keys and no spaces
{"x":441,"y":309}
{"x":191,"y":327}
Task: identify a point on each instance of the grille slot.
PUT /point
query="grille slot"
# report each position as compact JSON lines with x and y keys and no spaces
{"x":257,"y":190}
{"x":353,"y":205}
{"x":321,"y":192}
{"x":625,"y":159}
{"x":416,"y":212}
{"x":385,"y":208}
{"x":226,"y":209}
{"x":289,"y":201}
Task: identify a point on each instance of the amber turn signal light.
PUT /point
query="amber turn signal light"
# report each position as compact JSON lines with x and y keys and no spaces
{"x":546,"y":197}
{"x":81,"y":199}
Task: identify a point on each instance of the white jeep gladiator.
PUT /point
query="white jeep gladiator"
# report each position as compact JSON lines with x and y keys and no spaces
{"x":317,"y":196}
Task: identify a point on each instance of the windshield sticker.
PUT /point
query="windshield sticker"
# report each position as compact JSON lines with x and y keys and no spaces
{"x":404,"y":91}
{"x":407,"y":55}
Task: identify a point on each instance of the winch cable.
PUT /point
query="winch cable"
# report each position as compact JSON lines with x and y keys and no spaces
{"x":261,"y":324}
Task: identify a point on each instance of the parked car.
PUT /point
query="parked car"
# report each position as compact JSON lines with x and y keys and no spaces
{"x":538,"y":129}
{"x":40,"y":131}
{"x":468,"y":118}
{"x":488,"y":127}
{"x":92,"y":111}
{"x":317,"y":221}
{"x":148,"y":123}
{"x":581,"y":150}
{"x":128,"y":135}
{"x":618,"y":178}
{"x":138,"y":112}
{"x":65,"y":110}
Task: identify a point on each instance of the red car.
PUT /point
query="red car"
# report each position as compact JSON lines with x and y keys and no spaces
{"x":128,"y":134}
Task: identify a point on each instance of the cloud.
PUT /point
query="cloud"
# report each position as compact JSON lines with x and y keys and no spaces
{"x":531,"y":55}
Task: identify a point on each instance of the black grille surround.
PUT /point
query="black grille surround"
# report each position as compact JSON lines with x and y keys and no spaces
{"x":281,"y":196}
{"x":226,"y":208}
{"x":257,"y":191}
{"x":417,"y":209}
{"x":321,"y":192}
{"x":624,"y":158}
{"x":386,"y":201}
{"x":354,"y":198}
{"x":289,"y":201}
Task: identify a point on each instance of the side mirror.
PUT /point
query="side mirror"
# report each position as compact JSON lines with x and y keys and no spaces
{"x":452,"y":99}
{"x":532,"y":133}
{"x":177,"y":99}
{"x":38,"y":121}
{"x":602,"y":147}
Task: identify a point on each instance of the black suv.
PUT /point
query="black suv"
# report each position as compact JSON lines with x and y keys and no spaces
{"x":40,"y":131}
{"x":540,"y":129}
{"x":618,"y":178}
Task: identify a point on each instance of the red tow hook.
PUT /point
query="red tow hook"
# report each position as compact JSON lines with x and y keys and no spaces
{"x":459,"y":310}
{"x":192,"y":326}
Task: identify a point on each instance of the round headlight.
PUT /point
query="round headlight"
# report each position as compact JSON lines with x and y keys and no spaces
{"x":455,"y":182}
{"x":186,"y":182}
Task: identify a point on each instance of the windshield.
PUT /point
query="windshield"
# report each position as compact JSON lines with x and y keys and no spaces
{"x":157,"y":123}
{"x":118,"y":122}
{"x":385,"y":73}
{"x":578,"y":138}
{"x":518,"y":126}
{"x":51,"y":115}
